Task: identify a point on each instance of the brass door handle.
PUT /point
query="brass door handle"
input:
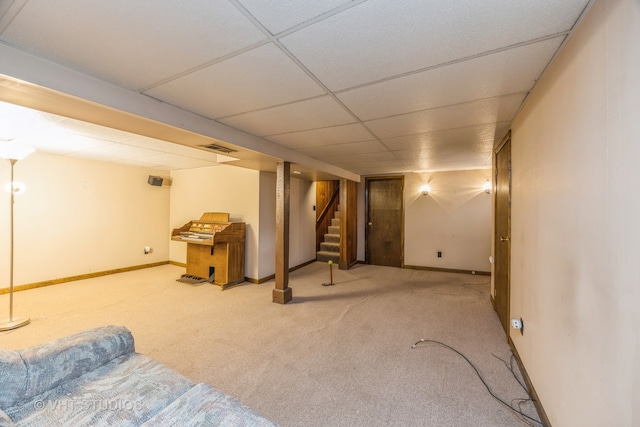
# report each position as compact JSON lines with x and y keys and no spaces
{"x":504,"y":239}
{"x":370,"y":223}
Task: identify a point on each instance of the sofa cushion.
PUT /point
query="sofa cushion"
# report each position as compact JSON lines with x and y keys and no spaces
{"x":5,"y":421}
{"x":13,"y":372}
{"x":125,"y":391}
{"x":203,"y":405}
{"x":58,"y":361}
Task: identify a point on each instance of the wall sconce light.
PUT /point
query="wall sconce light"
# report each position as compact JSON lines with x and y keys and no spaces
{"x":487,"y":187}
{"x":425,"y":189}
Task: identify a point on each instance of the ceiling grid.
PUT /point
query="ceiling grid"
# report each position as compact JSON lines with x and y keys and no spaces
{"x":369,"y":86}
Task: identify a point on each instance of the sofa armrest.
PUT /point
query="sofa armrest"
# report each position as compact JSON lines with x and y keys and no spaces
{"x":51,"y":364}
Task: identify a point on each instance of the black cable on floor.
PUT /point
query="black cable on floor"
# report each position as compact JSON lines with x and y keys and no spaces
{"x":518,"y":412}
{"x":513,"y":372}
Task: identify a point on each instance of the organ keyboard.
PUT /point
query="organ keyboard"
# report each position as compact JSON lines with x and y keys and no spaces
{"x":215,"y":248}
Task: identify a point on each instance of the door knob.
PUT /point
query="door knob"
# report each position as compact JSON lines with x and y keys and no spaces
{"x":370,"y":223}
{"x":504,"y":239}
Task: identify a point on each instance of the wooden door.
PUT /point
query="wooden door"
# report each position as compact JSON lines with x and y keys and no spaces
{"x":385,"y":218}
{"x":502,"y":236}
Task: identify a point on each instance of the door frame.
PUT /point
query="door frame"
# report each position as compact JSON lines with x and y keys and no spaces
{"x":367,"y":180}
{"x":497,"y":239}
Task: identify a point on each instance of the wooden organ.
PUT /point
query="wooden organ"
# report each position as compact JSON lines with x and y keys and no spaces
{"x":215,"y":248}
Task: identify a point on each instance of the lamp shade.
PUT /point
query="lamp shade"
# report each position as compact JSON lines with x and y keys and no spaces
{"x":11,"y":150}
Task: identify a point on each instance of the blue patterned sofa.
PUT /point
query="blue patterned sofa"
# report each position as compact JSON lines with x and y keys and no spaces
{"x":95,"y":378}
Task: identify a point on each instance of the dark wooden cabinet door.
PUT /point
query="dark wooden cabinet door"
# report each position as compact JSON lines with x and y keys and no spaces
{"x":384,"y":226}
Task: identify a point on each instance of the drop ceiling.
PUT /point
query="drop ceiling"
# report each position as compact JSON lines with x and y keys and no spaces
{"x":366,"y":87}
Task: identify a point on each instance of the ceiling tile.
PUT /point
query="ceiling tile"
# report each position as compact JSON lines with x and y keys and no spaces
{"x":116,"y":152}
{"x":346,"y":150}
{"x":177,"y":162}
{"x":491,"y":110}
{"x":484,"y":132}
{"x":58,"y":142}
{"x":361,"y":158}
{"x":378,"y":39}
{"x":505,"y":72}
{"x":87,"y":129}
{"x":144,"y":164}
{"x":132,"y":44}
{"x":326,"y":136}
{"x":464,"y":154}
{"x":279,"y":15}
{"x":194,"y":153}
{"x":378,"y":167}
{"x":233,"y":86}
{"x":314,"y":113}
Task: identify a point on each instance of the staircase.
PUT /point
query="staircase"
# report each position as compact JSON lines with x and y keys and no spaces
{"x":330,"y":248}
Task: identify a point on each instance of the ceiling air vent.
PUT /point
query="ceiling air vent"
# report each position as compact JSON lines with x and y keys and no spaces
{"x":220,"y":148}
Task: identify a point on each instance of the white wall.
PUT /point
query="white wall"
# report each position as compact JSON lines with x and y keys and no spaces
{"x":217,"y":189}
{"x":575,"y":275}
{"x":455,"y":219}
{"x":80,"y":216}
{"x":302,"y":220}
{"x":268,"y":220}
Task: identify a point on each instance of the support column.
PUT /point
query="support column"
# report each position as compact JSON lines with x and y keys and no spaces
{"x":282,"y":293}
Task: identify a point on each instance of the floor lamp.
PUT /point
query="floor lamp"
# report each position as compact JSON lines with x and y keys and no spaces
{"x":13,"y":152}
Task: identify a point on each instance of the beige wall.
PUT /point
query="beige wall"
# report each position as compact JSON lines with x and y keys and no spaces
{"x":302,"y":223}
{"x":80,"y":216}
{"x":575,"y":275}
{"x":454,"y":218}
{"x":249,"y":196}
{"x":217,"y":189}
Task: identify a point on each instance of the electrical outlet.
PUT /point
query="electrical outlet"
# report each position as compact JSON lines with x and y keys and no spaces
{"x":518,"y":324}
{"x":439,"y":254}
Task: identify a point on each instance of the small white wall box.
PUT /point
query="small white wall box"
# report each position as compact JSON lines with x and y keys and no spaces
{"x":518,"y":324}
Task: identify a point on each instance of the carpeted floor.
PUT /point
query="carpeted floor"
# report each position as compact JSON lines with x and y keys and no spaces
{"x":336,"y":356}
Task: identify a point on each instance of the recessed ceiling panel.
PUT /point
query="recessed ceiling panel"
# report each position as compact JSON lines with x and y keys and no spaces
{"x":304,"y":115}
{"x":378,"y":39}
{"x":325,"y":136}
{"x":508,"y":71}
{"x":279,"y":15}
{"x":491,"y":110}
{"x":233,"y":86}
{"x":131,"y":43}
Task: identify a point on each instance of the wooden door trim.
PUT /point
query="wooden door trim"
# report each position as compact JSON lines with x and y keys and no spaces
{"x":503,"y":141}
{"x":366,"y":214}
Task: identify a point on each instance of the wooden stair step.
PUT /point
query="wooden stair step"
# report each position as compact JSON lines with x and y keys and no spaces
{"x":332,"y":238}
{"x":324,"y":256}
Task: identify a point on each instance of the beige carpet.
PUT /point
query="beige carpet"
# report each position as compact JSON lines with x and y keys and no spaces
{"x":336,"y":356}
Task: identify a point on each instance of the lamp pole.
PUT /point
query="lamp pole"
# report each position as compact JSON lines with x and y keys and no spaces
{"x":12,"y":152}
